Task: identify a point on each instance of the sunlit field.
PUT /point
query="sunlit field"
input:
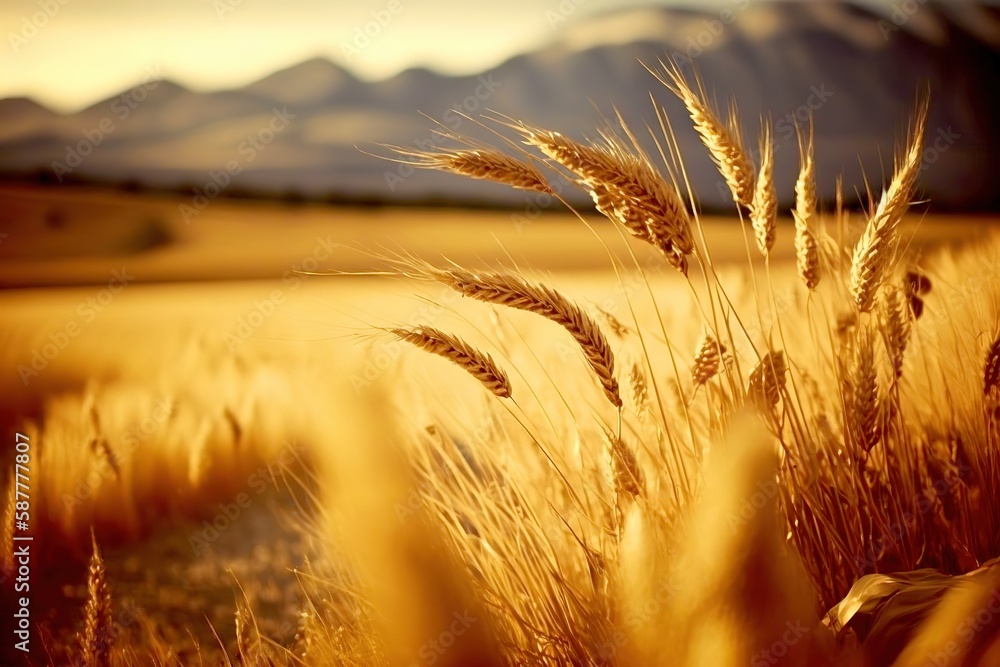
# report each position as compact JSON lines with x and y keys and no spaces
{"x":444,"y":437}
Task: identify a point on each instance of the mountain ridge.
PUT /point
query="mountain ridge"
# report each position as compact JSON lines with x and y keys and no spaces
{"x":771,"y":58}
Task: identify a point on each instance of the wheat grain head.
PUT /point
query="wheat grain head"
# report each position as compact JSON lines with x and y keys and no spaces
{"x":876,"y":249}
{"x":97,"y":637}
{"x":724,"y":142}
{"x":764,"y":207}
{"x":506,"y":289}
{"x":478,"y":364}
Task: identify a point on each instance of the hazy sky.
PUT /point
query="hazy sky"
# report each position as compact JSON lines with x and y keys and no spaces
{"x":70,"y":53}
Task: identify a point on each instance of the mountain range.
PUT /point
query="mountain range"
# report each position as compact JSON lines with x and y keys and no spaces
{"x":308,"y":131}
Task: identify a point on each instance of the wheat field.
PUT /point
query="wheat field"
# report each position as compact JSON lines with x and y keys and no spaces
{"x":678,"y":461}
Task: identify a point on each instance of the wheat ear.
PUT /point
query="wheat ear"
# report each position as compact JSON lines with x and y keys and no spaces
{"x":724,"y":142}
{"x":626,"y":188}
{"x":478,"y":364}
{"x":764,"y":207}
{"x":627,"y":476}
{"x":767,"y":380}
{"x":896,"y":327}
{"x":876,"y":249}
{"x":806,"y":249}
{"x":640,"y":390}
{"x":97,"y":636}
{"x":706,"y":360}
{"x":506,"y":289}
{"x":617,"y":327}
{"x":864,"y":394}
{"x":481,"y":163}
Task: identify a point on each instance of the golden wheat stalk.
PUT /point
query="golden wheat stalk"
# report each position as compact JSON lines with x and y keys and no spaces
{"x":896,"y":327}
{"x":806,"y":247}
{"x":478,"y":364}
{"x":876,"y":249}
{"x":97,"y":638}
{"x":617,"y":327}
{"x":483,"y":163}
{"x":626,"y":187}
{"x":248,"y":640}
{"x":724,"y":142}
{"x":806,"y":253}
{"x":764,"y":207}
{"x":767,"y":380}
{"x":614,"y":207}
{"x":626,"y":473}
{"x":706,"y":360}
{"x":640,"y":391}
{"x":805,"y":184}
{"x":864,"y":394}
{"x":506,"y":289}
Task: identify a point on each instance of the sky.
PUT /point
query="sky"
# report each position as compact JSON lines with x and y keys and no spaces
{"x":68,"y":54}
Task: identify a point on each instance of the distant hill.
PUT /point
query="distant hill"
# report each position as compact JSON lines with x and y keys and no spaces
{"x":298,"y":131}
